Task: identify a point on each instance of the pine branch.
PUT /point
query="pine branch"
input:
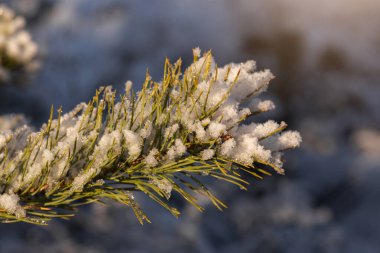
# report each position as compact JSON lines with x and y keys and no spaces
{"x":18,"y":52}
{"x":160,"y":140}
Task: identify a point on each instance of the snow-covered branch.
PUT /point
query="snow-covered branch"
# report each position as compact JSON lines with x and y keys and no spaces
{"x":156,"y":141}
{"x":17,"y":50}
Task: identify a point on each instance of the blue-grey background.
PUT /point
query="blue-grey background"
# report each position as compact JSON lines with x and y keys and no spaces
{"x":325,"y":55}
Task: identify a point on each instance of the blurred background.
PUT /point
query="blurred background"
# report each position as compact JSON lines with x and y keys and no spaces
{"x":325,"y":55}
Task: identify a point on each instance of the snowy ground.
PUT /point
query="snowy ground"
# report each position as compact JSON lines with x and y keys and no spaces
{"x":325,"y":56}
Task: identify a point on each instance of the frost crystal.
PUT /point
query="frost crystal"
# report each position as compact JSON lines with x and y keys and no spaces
{"x":285,"y":140}
{"x":164,"y":185}
{"x":258,"y":105}
{"x":197,"y":52}
{"x":9,"y":202}
{"x":133,"y":143}
{"x":169,"y":131}
{"x":207,"y":154}
{"x":150,"y":159}
{"x":175,"y":151}
{"x":227,"y":147}
{"x":216,"y":129}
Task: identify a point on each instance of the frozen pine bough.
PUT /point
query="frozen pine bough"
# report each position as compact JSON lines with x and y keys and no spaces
{"x":159,"y":140}
{"x":17,"y":50}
